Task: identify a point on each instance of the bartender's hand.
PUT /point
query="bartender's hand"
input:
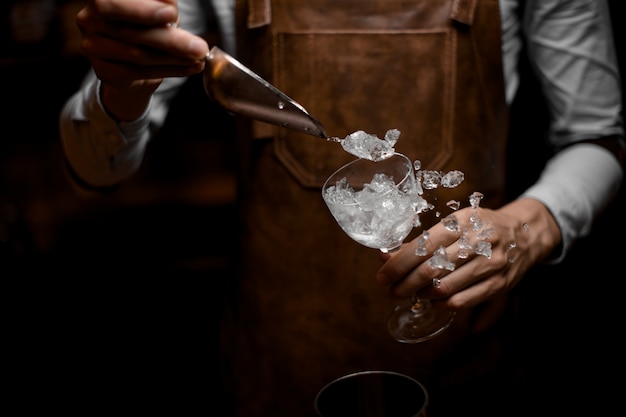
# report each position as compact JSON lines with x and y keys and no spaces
{"x":521,"y":234}
{"x":134,"y":44}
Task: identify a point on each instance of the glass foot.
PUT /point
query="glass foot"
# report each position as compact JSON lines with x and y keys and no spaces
{"x":407,"y":326}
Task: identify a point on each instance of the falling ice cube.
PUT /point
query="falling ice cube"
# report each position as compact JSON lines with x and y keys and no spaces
{"x":431,"y":179}
{"x":420,"y":241}
{"x":451,"y":223}
{"x":454,"y":204}
{"x":440,"y":260}
{"x":452,"y":179}
{"x":483,"y":248}
{"x":392,"y":136}
{"x":475,"y":199}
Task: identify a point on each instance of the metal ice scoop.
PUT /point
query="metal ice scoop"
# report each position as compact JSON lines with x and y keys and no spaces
{"x":239,"y":90}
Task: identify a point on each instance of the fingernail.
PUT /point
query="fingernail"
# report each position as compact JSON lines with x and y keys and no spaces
{"x":197,"y":48}
{"x":166,"y":14}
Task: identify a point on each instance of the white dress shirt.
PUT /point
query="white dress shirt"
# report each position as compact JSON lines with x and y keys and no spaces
{"x":570,"y":45}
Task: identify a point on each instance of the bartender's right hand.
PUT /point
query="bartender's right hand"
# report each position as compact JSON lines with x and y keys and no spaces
{"x":132,"y":45}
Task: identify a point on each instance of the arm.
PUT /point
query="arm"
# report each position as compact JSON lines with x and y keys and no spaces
{"x":576,"y":64}
{"x":574,"y":59}
{"x":138,"y":63}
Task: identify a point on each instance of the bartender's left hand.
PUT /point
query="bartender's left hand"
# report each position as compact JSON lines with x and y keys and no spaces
{"x":521,"y":234}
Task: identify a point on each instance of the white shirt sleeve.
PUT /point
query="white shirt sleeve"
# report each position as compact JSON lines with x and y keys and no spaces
{"x":96,"y":148}
{"x":576,"y":185}
{"x":570,"y":45}
{"x":99,"y":151}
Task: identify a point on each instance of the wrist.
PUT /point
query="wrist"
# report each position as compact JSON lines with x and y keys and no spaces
{"x":540,"y":228}
{"x":127,"y":104}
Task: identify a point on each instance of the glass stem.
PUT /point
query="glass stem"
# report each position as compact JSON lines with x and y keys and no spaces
{"x":418,"y":305}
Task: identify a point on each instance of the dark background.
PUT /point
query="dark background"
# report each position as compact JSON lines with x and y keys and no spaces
{"x":113,"y":303}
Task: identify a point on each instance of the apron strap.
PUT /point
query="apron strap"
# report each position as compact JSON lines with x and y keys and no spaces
{"x":260,"y":13}
{"x":463,"y":11}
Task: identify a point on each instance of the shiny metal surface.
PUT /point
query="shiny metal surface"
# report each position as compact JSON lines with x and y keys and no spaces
{"x":241,"y":91}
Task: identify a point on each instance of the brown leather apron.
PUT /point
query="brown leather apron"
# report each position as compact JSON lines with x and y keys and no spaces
{"x":306,"y":308}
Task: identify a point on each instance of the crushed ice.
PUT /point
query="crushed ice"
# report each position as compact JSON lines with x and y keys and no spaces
{"x":371,"y":147}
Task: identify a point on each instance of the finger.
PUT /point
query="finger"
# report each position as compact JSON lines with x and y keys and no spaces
{"x":434,"y":272}
{"x":446,"y":284}
{"x":427,"y":274}
{"x":124,"y":75}
{"x":161,"y":46}
{"x":474,"y":295}
{"x":414,"y":253}
{"x":404,"y":260}
{"x":469,"y":273}
{"x":142,"y":12}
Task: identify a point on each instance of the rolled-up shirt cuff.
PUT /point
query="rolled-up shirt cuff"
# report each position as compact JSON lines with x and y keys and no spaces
{"x":576,"y":185}
{"x":100,"y":151}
